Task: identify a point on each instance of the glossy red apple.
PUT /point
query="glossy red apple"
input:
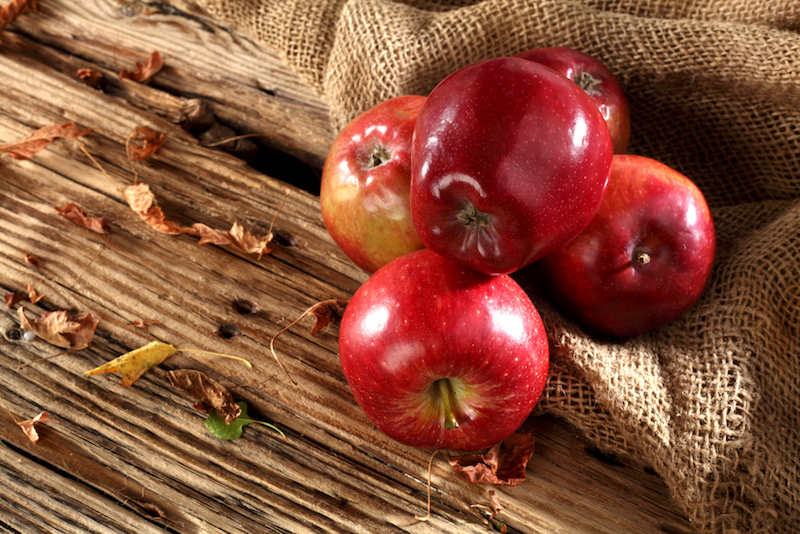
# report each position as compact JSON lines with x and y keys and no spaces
{"x":643,"y":260}
{"x":599,"y":82}
{"x":364,"y":191}
{"x":440,"y":356}
{"x":510,"y":161}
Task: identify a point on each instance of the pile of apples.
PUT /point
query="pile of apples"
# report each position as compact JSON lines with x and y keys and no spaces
{"x":510,"y":166}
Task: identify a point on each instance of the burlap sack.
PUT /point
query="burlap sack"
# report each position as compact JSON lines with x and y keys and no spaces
{"x":711,"y":401}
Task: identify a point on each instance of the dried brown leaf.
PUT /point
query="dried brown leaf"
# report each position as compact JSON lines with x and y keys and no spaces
{"x":29,"y":428}
{"x":143,"y":324}
{"x":494,"y":503}
{"x":60,"y":329}
{"x":12,"y":299}
{"x":249,"y":242}
{"x":143,"y":202}
{"x":208,"y":393}
{"x":10,"y":13}
{"x":30,"y":259}
{"x":143,"y":74}
{"x":75,"y":213}
{"x":502,"y":465}
{"x":144,"y":141}
{"x":33,"y":296}
{"x":237,"y":237}
{"x":90,"y":77}
{"x":211,"y":236}
{"x":324,"y":313}
{"x":327,"y":312}
{"x":41,"y":138}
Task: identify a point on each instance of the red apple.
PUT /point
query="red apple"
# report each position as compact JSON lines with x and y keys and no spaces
{"x":643,"y":260}
{"x":440,"y":356}
{"x":599,"y":82}
{"x":510,"y":161}
{"x":364,"y":191}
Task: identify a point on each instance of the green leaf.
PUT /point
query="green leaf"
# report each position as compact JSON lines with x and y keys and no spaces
{"x":216,"y":424}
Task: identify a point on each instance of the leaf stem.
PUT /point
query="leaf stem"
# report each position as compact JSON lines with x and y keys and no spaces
{"x":246,"y":362}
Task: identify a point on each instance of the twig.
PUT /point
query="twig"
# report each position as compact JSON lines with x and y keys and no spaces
{"x":97,"y":164}
{"x":63,"y":352}
{"x":90,"y":262}
{"x":430,"y":469}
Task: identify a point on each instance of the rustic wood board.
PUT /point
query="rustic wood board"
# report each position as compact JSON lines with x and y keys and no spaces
{"x":139,"y":458}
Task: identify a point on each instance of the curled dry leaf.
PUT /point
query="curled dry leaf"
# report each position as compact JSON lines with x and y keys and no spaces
{"x":75,"y":213}
{"x":90,"y":77}
{"x":324,"y":313}
{"x":210,"y":236}
{"x":249,"y":242}
{"x":494,"y":503}
{"x":143,"y":203}
{"x":29,"y":428}
{"x":60,"y":329}
{"x":143,"y":74}
{"x":30,"y":259}
{"x":237,"y":237}
{"x":327,"y":312}
{"x":143,"y":324}
{"x":41,"y":138}
{"x":209,"y":394}
{"x":502,"y":465}
{"x":144,"y":141}
{"x":33,"y":296}
{"x":12,"y":299}
{"x":10,"y":13}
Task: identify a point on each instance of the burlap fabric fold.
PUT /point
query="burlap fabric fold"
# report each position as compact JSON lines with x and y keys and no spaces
{"x":710,"y":401}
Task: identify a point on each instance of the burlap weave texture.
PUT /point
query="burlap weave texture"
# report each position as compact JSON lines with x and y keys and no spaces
{"x":710,"y":401}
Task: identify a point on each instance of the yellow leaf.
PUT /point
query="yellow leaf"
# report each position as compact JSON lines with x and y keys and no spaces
{"x":136,"y":362}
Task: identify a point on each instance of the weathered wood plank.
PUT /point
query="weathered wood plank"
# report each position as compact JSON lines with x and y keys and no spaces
{"x":244,"y":84}
{"x":144,"y":449}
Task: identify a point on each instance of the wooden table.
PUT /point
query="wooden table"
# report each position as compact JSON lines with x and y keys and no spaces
{"x":139,"y":458}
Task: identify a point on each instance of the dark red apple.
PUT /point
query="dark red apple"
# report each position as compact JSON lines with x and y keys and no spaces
{"x":510,"y":161}
{"x":364,"y":192}
{"x":599,"y":82}
{"x":645,"y":258}
{"x":442,"y":357}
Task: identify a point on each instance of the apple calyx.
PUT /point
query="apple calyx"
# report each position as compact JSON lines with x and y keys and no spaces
{"x":377,"y":157}
{"x":641,"y":257}
{"x":473,"y":218}
{"x":587,"y":82}
{"x":444,"y":389}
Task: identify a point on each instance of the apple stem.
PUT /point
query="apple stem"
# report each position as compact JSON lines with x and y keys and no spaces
{"x":642,"y":258}
{"x":446,"y":390}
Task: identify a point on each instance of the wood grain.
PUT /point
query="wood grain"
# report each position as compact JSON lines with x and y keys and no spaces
{"x":139,"y":459}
